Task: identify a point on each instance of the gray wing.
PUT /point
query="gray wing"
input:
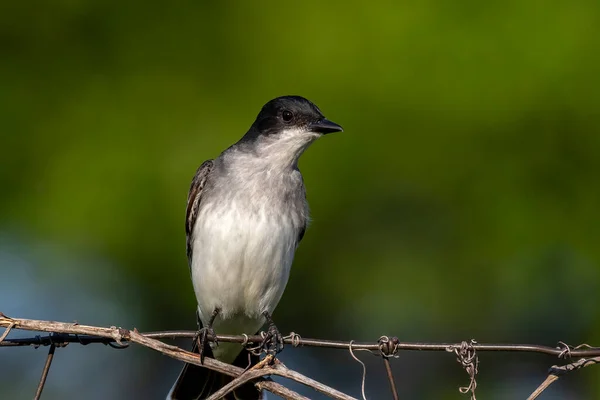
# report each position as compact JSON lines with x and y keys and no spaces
{"x":303,"y":204}
{"x":193,"y":203}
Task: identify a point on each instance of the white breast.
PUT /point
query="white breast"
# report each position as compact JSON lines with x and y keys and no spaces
{"x":241,"y":260}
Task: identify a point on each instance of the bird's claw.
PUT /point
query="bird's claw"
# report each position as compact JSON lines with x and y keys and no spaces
{"x":272,"y":343}
{"x":202,"y":339}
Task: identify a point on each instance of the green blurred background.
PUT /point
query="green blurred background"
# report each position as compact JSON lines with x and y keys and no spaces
{"x":460,"y":202}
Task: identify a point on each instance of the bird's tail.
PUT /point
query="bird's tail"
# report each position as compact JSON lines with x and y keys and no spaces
{"x":196,"y":383}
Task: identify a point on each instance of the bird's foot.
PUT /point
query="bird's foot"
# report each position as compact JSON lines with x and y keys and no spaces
{"x":202,"y":340}
{"x":272,"y":342}
{"x":203,"y":332}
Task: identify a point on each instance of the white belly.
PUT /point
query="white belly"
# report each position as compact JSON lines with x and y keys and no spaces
{"x":241,"y":262}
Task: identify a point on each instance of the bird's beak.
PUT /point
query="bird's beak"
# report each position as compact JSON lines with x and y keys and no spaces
{"x":324,"y":126}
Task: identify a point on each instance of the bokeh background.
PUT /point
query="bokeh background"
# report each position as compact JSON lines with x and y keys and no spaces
{"x":460,"y":202}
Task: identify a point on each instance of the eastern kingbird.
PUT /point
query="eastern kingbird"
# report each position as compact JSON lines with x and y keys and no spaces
{"x":246,"y":214}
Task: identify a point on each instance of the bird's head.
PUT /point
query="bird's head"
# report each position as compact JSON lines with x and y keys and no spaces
{"x":286,"y":126}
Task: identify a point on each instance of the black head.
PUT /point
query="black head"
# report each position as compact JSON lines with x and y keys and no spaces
{"x":290,"y":112}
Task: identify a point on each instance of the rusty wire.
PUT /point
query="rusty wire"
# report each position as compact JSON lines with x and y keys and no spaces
{"x":61,"y":334}
{"x":40,"y":388}
{"x":388,"y":347}
{"x":297,"y":341}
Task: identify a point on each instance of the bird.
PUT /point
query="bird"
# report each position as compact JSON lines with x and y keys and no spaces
{"x":246,"y":215}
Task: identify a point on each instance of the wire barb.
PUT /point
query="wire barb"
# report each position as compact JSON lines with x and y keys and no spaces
{"x":567,"y":350}
{"x":255,"y":348}
{"x":294,"y":338}
{"x":388,"y":347}
{"x":467,"y":357}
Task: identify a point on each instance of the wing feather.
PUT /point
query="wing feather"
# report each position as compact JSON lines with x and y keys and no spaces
{"x":193,"y":203}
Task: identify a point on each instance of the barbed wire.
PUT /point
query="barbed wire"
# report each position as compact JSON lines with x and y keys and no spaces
{"x":61,"y":334}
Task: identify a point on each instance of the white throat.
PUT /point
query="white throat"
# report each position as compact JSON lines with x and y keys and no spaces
{"x":285,"y":148}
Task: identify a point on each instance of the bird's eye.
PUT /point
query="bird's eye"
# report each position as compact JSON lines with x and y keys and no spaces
{"x":287,"y":116}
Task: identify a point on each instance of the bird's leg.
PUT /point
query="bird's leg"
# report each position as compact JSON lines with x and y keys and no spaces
{"x":273,"y":341}
{"x":202,"y":335}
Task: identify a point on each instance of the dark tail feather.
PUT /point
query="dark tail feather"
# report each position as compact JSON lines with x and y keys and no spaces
{"x":195,"y":383}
